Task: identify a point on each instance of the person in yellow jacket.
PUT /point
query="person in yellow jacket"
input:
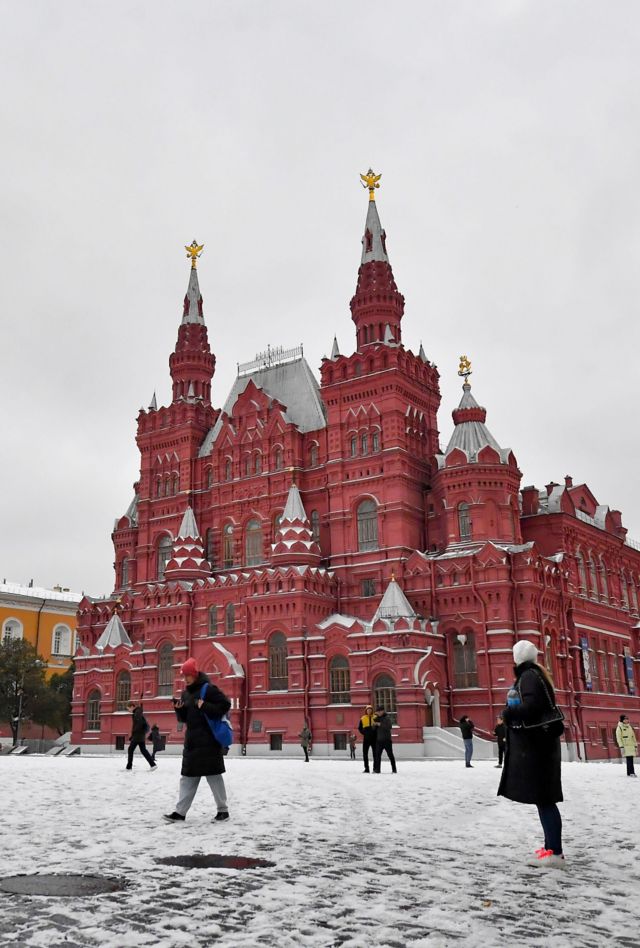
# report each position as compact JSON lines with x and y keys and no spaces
{"x":626,"y":740}
{"x":366,"y":726}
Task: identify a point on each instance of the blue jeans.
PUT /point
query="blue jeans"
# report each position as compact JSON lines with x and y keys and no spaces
{"x":468,"y":750}
{"x":552,"y":825}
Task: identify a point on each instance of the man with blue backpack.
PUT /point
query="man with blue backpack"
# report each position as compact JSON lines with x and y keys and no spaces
{"x":203,"y":709}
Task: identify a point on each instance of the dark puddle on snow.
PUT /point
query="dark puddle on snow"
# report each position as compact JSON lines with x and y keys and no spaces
{"x":215,"y":861}
{"x":60,"y":885}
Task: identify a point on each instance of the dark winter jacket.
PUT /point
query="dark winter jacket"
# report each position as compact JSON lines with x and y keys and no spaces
{"x":138,"y":725}
{"x":155,"y":738}
{"x":383,"y":728}
{"x":500,"y":731}
{"x":366,"y":727}
{"x":531,"y":771}
{"x":466,"y":728}
{"x":202,"y":755}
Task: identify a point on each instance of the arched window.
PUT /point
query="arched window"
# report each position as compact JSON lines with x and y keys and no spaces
{"x":375,"y":440}
{"x":253,"y":543}
{"x":124,"y":572}
{"x":278,"y":459}
{"x":227,"y":545}
{"x":278,"y":673}
{"x":209,"y":477}
{"x":313,"y":455}
{"x":11,"y":630}
{"x":384,"y":696}
{"x":123,"y":690}
{"x":364,"y":443}
{"x":593,"y":576}
{"x":93,"y":711}
{"x":633,"y":595}
{"x":209,"y":546}
{"x":315,"y":525}
{"x":247,"y":465}
{"x":354,"y":446}
{"x":159,"y":487}
{"x":213,"y":620}
{"x":623,"y":590}
{"x":175,"y":484}
{"x":465,"y":666}
{"x":582,"y":573}
{"x":165,"y":549}
{"x":61,"y":644}
{"x":165,"y":669}
{"x":167,"y":486}
{"x":229,"y":619}
{"x":604,"y":585}
{"x":339,"y":681}
{"x":257,"y":463}
{"x":464,"y":521}
{"x":367,"y":516}
{"x":228,"y":469}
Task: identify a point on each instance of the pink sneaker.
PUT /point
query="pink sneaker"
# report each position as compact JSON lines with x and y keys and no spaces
{"x":543,"y":851}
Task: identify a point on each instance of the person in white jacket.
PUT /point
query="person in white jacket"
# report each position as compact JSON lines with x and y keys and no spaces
{"x":626,"y":740}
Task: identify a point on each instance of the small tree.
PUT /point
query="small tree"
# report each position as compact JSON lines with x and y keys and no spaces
{"x":60,"y":689}
{"x":22,"y":683}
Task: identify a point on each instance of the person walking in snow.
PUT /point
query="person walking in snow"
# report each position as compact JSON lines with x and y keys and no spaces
{"x":383,"y":724}
{"x":305,"y":742}
{"x":352,"y":745}
{"x":202,"y":755}
{"x":466,"y":729}
{"x":139,"y":728}
{"x":626,"y":741}
{"x":500,"y":731}
{"x":367,"y":729}
{"x":531,"y":772}
{"x":156,"y":741}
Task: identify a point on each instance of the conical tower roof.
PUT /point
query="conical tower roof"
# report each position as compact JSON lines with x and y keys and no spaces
{"x":377,"y":306}
{"x":114,"y":634}
{"x":294,"y":542}
{"x":187,"y":559}
{"x":471,"y":434}
{"x":394,"y":604}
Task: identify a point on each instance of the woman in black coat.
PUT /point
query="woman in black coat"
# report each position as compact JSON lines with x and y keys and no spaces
{"x":531,"y":771}
{"x":202,"y":756}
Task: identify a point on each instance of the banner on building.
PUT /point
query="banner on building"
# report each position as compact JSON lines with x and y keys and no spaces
{"x":586,"y":664}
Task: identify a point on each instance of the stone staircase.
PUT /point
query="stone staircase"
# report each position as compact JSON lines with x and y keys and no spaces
{"x":446,"y":743}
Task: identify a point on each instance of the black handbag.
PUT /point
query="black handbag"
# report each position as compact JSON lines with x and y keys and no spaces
{"x":552,"y":721}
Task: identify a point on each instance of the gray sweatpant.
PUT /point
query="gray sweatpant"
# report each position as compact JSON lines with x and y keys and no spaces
{"x":188,"y":787}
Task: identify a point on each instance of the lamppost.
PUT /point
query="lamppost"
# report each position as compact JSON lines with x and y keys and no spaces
{"x":18,"y":720}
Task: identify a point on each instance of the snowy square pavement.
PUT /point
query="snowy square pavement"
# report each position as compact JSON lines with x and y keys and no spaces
{"x":430,"y":857}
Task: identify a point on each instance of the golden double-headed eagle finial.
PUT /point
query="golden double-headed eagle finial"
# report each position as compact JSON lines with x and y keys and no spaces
{"x":465,"y":368}
{"x":194,"y":250}
{"x":370,"y":180}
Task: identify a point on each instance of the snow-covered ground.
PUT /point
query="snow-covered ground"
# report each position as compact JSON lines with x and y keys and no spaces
{"x":430,"y":857}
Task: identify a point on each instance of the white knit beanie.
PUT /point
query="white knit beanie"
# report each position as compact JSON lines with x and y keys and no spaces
{"x":524,"y":651}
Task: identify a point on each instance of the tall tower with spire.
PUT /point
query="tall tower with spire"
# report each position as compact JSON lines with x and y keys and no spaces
{"x":192,"y":363}
{"x":377,"y":306}
{"x":476,"y":484}
{"x":169,"y":439}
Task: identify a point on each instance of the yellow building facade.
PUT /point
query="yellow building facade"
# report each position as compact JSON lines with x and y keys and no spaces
{"x":46,"y":618}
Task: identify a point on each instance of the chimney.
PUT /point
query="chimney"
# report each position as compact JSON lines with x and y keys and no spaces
{"x":530,"y":501}
{"x":618,"y":529}
{"x":550,"y":487}
{"x":568,"y":480}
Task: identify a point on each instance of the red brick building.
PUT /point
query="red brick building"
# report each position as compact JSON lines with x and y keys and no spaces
{"x":315,"y":549}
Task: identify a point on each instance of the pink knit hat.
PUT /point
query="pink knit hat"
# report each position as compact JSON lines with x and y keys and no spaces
{"x":190,"y":667}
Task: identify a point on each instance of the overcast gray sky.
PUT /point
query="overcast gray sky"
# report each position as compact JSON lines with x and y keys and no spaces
{"x":508,"y":137}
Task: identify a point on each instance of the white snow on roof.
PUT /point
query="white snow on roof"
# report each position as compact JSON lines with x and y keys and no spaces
{"x":39,"y":592}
